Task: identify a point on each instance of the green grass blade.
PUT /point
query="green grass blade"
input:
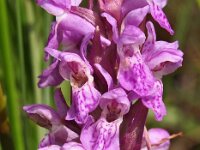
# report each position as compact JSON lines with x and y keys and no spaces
{"x":36,"y":54}
{"x":21,"y":49}
{"x":13,"y":103}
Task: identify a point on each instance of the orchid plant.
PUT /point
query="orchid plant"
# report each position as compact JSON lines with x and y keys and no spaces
{"x":109,"y":54}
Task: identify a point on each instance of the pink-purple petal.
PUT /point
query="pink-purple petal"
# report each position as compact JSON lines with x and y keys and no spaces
{"x":132,"y":35}
{"x":101,"y":135}
{"x":73,"y":26}
{"x":161,"y":3}
{"x":155,"y":102}
{"x":160,"y":56}
{"x":52,"y":39}
{"x":54,"y":7}
{"x":85,"y":100}
{"x":113,"y":22}
{"x":51,"y":147}
{"x":129,"y":5}
{"x":151,"y":38}
{"x":43,"y":115}
{"x":50,"y":76}
{"x":57,"y":7}
{"x":72,"y":146}
{"x":134,"y":75}
{"x":118,"y":96}
{"x":56,"y":137}
{"x":165,"y":61}
{"x":105,"y":75}
{"x":136,"y":16}
{"x":156,"y":135}
{"x":159,"y":16}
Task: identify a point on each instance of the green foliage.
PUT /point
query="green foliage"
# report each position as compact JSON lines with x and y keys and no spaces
{"x":198,"y":1}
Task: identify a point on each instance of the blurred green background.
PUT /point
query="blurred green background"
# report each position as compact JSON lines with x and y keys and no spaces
{"x":24,"y":29}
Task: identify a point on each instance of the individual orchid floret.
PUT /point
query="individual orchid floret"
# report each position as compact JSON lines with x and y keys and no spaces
{"x":161,"y":57}
{"x":52,"y":120}
{"x":134,"y":74}
{"x":155,"y":8}
{"x":104,"y":133}
{"x":85,"y":98}
{"x":67,"y":34}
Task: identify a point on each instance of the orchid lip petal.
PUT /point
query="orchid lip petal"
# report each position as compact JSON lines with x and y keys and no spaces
{"x":85,"y":100}
{"x":101,"y":134}
{"x":134,"y":75}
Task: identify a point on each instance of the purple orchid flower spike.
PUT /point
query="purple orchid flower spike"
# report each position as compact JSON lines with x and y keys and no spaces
{"x":104,"y":133}
{"x":115,"y":72}
{"x":161,"y":57}
{"x":85,"y":98}
{"x":52,"y":120}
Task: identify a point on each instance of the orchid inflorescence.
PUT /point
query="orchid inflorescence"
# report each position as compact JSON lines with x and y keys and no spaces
{"x":109,"y":54}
